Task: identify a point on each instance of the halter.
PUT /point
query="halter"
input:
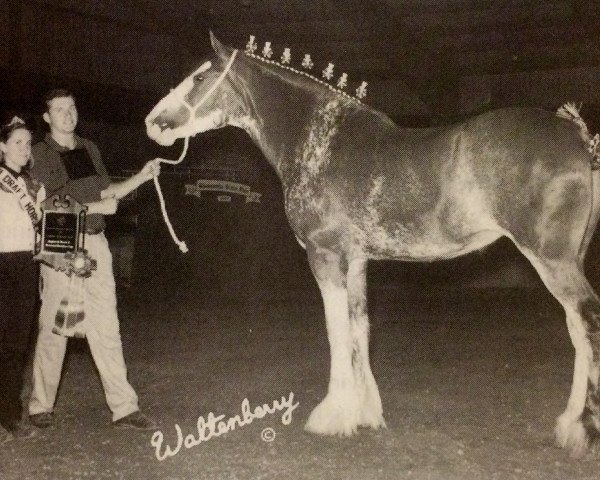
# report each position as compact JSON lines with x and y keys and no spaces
{"x":205,"y":66}
{"x":192,"y":111}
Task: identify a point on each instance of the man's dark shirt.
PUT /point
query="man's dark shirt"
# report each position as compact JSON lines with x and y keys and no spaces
{"x":79,"y":173}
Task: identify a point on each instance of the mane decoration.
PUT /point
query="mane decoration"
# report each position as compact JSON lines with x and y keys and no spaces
{"x":307,"y":63}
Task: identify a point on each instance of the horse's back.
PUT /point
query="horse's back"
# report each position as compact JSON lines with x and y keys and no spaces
{"x":437,"y":193}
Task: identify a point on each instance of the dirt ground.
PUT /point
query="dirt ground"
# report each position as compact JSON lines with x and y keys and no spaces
{"x":471,"y":384}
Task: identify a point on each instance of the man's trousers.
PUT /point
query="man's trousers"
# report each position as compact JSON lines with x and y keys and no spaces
{"x":102,"y":333}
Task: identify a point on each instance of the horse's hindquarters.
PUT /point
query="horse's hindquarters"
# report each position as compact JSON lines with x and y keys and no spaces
{"x":534,"y":177}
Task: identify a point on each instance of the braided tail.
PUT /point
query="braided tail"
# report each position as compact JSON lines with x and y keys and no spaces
{"x":571,"y":112}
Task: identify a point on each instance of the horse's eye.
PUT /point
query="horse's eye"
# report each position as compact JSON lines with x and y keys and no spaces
{"x":198,"y":78}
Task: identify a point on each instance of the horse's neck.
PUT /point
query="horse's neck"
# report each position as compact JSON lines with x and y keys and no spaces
{"x":278,"y":115}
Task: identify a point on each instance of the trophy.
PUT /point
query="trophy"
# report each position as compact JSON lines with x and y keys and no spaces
{"x":61,"y":242}
{"x":61,"y":245}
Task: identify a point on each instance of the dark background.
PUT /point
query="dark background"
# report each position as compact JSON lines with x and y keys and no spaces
{"x":428,"y":62}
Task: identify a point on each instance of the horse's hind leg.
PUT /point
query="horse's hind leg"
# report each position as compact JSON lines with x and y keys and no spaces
{"x":579,"y":425}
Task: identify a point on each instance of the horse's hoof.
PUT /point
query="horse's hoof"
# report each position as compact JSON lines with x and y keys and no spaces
{"x":371,"y":411}
{"x":375,"y":421}
{"x":572,"y":436}
{"x":332,"y":417}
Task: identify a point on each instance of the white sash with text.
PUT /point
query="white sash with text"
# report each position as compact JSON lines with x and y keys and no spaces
{"x":9,"y":181}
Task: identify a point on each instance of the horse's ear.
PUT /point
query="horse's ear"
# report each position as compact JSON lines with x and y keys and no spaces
{"x":220,"y":49}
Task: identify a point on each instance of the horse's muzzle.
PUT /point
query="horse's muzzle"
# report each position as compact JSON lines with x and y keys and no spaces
{"x":160,"y":133}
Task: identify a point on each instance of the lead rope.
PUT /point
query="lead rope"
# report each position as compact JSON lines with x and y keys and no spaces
{"x":192,"y":110}
{"x":181,"y":244}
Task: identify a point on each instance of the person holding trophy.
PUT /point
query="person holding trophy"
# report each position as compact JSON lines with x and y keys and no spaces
{"x":68,"y":164}
{"x":19,"y":216}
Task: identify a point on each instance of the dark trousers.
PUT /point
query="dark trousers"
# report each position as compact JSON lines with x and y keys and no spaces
{"x":18,"y":300}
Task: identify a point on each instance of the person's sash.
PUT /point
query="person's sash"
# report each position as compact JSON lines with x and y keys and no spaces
{"x":69,"y":320}
{"x":27,"y":203}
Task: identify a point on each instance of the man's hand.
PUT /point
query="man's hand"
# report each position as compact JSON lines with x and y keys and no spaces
{"x":106,"y":206}
{"x":122,"y":189}
{"x":150,"y":170}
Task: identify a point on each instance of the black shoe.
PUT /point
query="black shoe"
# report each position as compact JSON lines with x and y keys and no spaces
{"x":20,"y":429}
{"x":136,"y":420}
{"x":42,"y":420}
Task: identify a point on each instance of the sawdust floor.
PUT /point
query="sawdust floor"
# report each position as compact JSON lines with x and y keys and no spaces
{"x":471,"y":384}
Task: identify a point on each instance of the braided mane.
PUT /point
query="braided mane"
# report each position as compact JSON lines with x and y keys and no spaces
{"x":307,"y":63}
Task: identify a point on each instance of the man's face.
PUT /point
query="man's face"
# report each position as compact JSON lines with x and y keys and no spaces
{"x":61,"y":115}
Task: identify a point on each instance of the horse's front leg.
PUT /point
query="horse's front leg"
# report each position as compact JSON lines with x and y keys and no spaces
{"x":371,"y":411}
{"x":351,"y":382}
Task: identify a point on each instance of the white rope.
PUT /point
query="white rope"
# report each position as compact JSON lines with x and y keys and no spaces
{"x":182,"y":246}
{"x":192,"y":110}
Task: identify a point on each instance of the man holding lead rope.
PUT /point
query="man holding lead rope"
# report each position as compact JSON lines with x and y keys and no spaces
{"x":69,"y":164}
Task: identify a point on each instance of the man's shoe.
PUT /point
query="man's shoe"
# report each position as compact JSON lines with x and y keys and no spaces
{"x":136,"y":420}
{"x":42,"y":420}
{"x":20,"y":429}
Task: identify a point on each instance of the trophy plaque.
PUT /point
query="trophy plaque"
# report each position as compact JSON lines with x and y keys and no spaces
{"x":61,"y":241}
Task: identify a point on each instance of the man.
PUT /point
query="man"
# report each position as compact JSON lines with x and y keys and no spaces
{"x":68,"y":164}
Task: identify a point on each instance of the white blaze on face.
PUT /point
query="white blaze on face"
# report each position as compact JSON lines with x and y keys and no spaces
{"x":168,"y":136}
{"x":186,"y":86}
{"x":172,"y":103}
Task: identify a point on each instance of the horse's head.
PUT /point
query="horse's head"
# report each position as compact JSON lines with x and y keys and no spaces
{"x":197,"y":104}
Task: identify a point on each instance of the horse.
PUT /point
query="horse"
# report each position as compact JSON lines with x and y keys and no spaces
{"x":357,"y":187}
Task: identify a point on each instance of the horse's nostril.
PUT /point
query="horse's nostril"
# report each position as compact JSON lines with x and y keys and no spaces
{"x":164,"y":125}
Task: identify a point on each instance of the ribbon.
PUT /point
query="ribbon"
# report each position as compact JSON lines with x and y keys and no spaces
{"x":12,"y":185}
{"x":69,"y":320}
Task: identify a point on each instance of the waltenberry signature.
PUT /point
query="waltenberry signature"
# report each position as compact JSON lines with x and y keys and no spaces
{"x":214,"y":426}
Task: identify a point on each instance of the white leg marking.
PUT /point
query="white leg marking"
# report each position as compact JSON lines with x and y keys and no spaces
{"x":338,"y":413}
{"x":371,"y":411}
{"x":569,"y":430}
